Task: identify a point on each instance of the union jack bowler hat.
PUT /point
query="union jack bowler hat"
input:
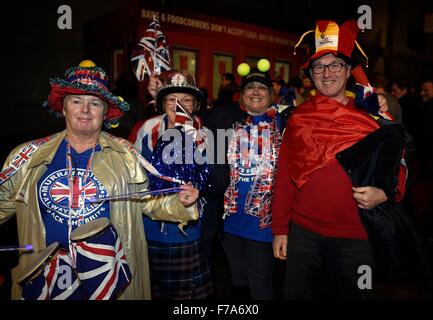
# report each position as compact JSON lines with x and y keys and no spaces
{"x":181,"y":82}
{"x":86,"y":79}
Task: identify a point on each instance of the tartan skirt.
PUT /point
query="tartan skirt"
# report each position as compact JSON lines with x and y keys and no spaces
{"x":178,"y":271}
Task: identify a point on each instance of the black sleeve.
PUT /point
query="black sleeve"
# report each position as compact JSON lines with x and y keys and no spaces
{"x":220,"y":118}
{"x":374,"y":161}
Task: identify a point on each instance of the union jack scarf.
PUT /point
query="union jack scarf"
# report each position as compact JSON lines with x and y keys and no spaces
{"x":152,"y":56}
{"x":263,"y":142}
{"x":154,"y":128}
{"x":20,"y":158}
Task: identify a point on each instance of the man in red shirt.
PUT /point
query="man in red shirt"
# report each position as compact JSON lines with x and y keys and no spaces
{"x":316,"y":223}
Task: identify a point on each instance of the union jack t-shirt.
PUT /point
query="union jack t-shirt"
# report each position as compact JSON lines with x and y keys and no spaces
{"x":53,"y":194}
{"x":242,"y":224}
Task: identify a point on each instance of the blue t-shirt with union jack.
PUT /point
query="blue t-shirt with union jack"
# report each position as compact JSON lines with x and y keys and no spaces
{"x":243,"y":224}
{"x":53,"y":194}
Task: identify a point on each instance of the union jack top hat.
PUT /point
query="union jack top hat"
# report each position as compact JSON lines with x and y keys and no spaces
{"x":331,"y":38}
{"x":178,"y":81}
{"x":86,"y":78}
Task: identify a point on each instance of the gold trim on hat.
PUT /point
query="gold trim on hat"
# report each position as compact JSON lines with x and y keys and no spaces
{"x":300,"y":40}
{"x":362,"y":52}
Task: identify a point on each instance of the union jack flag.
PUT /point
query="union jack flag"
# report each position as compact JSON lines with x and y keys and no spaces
{"x":102,"y":267}
{"x":20,"y":158}
{"x":7,"y":173}
{"x":265,"y":156}
{"x":58,"y":281}
{"x":60,"y":191}
{"x":365,"y":95}
{"x":152,"y":56}
{"x":23,"y":156}
{"x":148,"y":134}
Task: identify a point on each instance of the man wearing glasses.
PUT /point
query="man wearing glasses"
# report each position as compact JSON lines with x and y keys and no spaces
{"x":330,"y":75}
{"x":315,"y":213}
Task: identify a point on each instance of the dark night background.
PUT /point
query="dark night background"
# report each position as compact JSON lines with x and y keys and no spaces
{"x":34,"y":49}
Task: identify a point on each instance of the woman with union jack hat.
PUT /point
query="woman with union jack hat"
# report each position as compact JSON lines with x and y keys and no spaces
{"x":57,"y":184}
{"x":174,"y":143}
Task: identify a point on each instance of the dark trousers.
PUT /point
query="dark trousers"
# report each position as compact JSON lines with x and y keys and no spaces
{"x":251,"y":263}
{"x":211,"y":226}
{"x":322,"y":267}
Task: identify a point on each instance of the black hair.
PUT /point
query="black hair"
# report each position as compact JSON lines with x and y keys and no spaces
{"x":280,"y":82}
{"x":401,"y":83}
{"x":228,"y":76}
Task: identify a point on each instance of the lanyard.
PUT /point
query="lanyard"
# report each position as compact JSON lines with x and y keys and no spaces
{"x":77,"y":191}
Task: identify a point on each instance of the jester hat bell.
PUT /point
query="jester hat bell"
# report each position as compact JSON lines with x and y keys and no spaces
{"x":331,"y":38}
{"x":86,"y":79}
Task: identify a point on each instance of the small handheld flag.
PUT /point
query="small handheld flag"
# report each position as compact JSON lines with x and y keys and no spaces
{"x":152,"y":56}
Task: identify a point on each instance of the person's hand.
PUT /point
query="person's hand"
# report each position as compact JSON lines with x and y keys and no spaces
{"x":188,"y":195}
{"x":368,"y":197}
{"x":280,"y":246}
{"x":383,"y":105}
{"x":154,"y":85}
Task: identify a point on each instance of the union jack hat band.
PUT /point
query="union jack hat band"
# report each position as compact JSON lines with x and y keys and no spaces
{"x":87,"y":78}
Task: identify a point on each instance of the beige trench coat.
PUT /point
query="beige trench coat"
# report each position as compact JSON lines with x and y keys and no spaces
{"x":120,"y":172}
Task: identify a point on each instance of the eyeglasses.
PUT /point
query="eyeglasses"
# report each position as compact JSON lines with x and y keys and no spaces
{"x":258,"y":86}
{"x":186,"y":101}
{"x":332,"y":67}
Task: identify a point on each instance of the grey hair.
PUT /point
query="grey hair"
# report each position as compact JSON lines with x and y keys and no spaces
{"x":68,"y":97}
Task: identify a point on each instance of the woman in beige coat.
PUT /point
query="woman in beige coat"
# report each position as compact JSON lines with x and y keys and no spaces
{"x":104,"y":164}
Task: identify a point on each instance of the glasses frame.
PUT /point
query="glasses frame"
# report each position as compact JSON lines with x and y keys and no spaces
{"x":338,"y":65}
{"x":194,"y":101}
